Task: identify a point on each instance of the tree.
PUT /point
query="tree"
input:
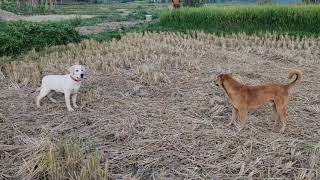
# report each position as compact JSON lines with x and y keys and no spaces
{"x":311,"y":1}
{"x":194,"y":3}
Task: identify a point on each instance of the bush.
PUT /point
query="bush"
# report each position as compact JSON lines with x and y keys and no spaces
{"x":294,"y":19}
{"x":18,"y":37}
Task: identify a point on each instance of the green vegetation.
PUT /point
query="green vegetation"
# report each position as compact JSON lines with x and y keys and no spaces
{"x":132,"y":16}
{"x":112,"y":12}
{"x":108,"y":9}
{"x":18,"y":37}
{"x":107,"y":36}
{"x":24,"y":8}
{"x":292,"y":19}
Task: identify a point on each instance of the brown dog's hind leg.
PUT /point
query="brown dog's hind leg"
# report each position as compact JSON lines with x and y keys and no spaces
{"x":284,"y":117}
{"x":281,"y":106}
{"x":233,"y":116}
{"x":243,"y":114}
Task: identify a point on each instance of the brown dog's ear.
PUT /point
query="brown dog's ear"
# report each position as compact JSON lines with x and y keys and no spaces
{"x":71,"y":69}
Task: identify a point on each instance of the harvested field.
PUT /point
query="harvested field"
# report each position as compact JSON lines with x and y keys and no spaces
{"x":149,"y":108}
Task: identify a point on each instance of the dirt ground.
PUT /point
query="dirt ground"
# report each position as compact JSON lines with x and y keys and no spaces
{"x":149,"y":104}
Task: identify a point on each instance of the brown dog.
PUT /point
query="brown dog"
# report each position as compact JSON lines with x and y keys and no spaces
{"x":248,"y":98}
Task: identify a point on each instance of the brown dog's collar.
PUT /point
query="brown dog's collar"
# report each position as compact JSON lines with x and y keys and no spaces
{"x":76,"y":80}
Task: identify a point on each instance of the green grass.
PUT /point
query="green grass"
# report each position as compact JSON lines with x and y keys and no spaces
{"x":117,"y":35}
{"x":132,"y":16}
{"x":112,"y":12}
{"x":19,"y":37}
{"x":107,"y":36}
{"x":106,"y":9}
{"x":292,"y":19}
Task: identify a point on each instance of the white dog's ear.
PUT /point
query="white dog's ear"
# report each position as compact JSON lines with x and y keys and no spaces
{"x":71,"y":69}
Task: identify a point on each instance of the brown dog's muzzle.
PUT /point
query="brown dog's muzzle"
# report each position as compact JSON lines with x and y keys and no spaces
{"x":216,"y":83}
{"x":216,"y":80}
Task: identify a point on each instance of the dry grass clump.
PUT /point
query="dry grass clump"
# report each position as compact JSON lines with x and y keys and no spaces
{"x":149,"y":105}
{"x":148,"y":74}
{"x":147,"y":61}
{"x":60,"y":160}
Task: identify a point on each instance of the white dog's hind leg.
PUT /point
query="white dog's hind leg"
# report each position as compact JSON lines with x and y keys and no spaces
{"x":74,"y":99}
{"x":67,"y":98}
{"x":42,"y":94}
{"x":51,"y":98}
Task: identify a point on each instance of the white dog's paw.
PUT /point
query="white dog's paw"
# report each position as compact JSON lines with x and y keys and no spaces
{"x":53,"y":100}
{"x":70,"y":110}
{"x":230,"y":124}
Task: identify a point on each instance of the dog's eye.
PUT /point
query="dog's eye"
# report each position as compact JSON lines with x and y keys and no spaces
{"x":77,"y":70}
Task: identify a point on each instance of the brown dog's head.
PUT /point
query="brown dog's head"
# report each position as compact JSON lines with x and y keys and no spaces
{"x":218,"y":79}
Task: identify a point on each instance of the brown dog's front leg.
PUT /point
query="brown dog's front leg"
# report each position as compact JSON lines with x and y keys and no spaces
{"x":243,"y":118}
{"x":276,"y":117}
{"x":233,"y":116}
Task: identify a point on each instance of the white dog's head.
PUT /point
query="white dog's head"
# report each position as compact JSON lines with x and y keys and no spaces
{"x":77,"y":71}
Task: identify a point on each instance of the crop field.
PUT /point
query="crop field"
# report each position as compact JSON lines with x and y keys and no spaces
{"x":301,"y":20}
{"x":149,"y":110}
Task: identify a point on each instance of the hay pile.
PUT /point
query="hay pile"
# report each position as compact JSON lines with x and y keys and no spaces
{"x":149,"y":108}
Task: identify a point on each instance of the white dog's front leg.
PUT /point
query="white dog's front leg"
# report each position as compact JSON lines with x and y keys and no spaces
{"x":67,"y":98}
{"x":74,"y":99}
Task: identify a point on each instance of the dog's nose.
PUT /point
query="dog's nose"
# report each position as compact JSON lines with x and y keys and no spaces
{"x":81,"y":75}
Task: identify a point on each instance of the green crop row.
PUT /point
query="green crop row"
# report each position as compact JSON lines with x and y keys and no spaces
{"x":291,"y":19}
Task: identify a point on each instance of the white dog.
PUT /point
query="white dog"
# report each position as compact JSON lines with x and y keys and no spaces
{"x":68,"y":84}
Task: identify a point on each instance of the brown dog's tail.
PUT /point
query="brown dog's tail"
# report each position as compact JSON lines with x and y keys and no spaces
{"x":298,"y":75}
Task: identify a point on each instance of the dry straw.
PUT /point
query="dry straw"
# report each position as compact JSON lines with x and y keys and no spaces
{"x":150,"y":110}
